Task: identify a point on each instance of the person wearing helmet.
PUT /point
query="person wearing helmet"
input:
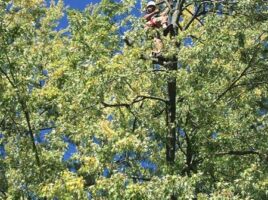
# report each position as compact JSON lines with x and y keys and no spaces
{"x":155,"y":19}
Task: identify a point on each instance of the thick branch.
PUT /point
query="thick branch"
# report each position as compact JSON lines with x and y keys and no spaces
{"x":177,"y":13}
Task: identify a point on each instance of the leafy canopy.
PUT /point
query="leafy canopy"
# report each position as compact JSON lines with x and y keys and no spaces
{"x":88,"y":87}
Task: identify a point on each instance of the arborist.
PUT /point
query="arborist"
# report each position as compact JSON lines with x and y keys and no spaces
{"x":156,"y":19}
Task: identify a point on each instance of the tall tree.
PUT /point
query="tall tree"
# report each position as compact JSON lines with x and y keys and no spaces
{"x":192,"y":125}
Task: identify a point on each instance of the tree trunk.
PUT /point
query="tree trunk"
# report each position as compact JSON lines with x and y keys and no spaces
{"x":171,"y":135}
{"x":171,"y":114}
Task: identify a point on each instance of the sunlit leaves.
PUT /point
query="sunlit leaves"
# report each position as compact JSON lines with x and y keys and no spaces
{"x":67,"y":186}
{"x":109,"y":101}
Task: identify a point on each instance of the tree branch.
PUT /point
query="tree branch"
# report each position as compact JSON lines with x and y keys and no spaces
{"x":135,"y":100}
{"x":237,"y":153}
{"x":136,"y":178}
{"x":243,"y":73}
{"x":180,"y":146}
{"x":194,"y":17}
{"x":28,"y":120}
{"x":215,"y":1}
{"x":152,"y":98}
{"x":4,"y":194}
{"x":116,"y":105}
{"x":135,"y":119}
{"x":176,"y":14}
{"x":9,"y":80}
{"x":159,"y":113}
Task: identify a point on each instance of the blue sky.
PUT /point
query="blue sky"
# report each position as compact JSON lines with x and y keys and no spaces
{"x":76,"y":4}
{"x":81,"y":4}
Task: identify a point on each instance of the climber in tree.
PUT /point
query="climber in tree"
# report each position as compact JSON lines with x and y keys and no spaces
{"x":157,"y":19}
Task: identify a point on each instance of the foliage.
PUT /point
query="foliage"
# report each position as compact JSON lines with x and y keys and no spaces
{"x":112,"y":102}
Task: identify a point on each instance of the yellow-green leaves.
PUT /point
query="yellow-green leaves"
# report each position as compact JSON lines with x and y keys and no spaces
{"x":66,"y":186}
{"x":108,"y":102}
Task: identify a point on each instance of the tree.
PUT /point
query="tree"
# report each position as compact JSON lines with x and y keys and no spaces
{"x":192,"y":125}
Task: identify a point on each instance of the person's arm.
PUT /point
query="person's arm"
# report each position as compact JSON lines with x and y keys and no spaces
{"x":165,"y":12}
{"x":149,"y":16}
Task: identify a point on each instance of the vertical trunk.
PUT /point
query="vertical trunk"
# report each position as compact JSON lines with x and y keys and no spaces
{"x":171,"y":135}
{"x":171,"y":114}
{"x":171,"y":111}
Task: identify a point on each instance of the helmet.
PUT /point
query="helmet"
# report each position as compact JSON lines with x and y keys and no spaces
{"x":150,"y":3}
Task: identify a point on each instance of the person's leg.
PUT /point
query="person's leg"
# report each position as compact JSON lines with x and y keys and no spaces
{"x":164,"y":21}
{"x":158,"y":44}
